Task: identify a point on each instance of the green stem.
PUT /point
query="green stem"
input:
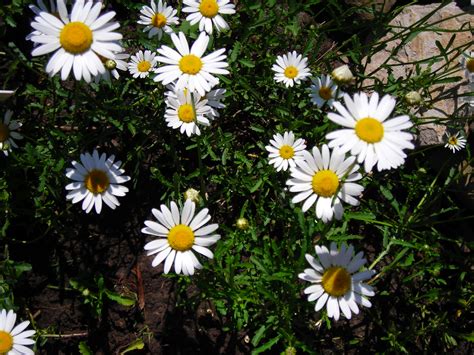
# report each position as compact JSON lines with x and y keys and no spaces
{"x":199,"y":152}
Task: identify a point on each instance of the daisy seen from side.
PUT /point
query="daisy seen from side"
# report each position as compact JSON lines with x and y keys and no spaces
{"x":180,"y":233}
{"x":77,"y":39}
{"x":467,"y":63}
{"x":180,"y":113}
{"x":325,"y":179}
{"x":142,"y":64}
{"x":8,"y":133}
{"x":285,"y":151}
{"x":337,"y":281}
{"x":214,"y":101}
{"x":368,"y":134}
{"x":208,"y":13}
{"x":324,"y":91}
{"x":97,"y":180}
{"x":455,"y":142}
{"x":291,"y":69}
{"x":188,"y":66}
{"x":112,"y":67}
{"x":158,"y":18}
{"x":13,"y":339}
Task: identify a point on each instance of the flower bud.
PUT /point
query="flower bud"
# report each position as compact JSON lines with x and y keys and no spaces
{"x":413,"y":98}
{"x":192,"y":194}
{"x":110,"y":64}
{"x":290,"y":351}
{"x":242,"y":223}
{"x":342,"y":74}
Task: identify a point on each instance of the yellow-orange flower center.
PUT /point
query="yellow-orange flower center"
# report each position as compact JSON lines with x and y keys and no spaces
{"x":4,"y":132}
{"x":470,"y":65}
{"x":6,"y":342}
{"x":97,"y":181}
{"x":452,"y":140}
{"x":158,"y":20}
{"x":181,"y":237}
{"x":209,"y":8}
{"x":369,"y":130}
{"x":325,"y":93}
{"x":143,"y":66}
{"x":291,"y":72}
{"x":190,"y":64}
{"x":287,"y":152}
{"x":186,"y":113}
{"x":325,"y":183}
{"x":336,"y":281}
{"x":76,"y":37}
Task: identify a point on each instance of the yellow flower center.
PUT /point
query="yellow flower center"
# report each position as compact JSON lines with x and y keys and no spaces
{"x":325,"y":93}
{"x":181,"y":237}
{"x":97,"y":181}
{"x":369,"y":130}
{"x":143,"y":66}
{"x":158,"y":20}
{"x":470,"y":65}
{"x":336,"y":281}
{"x":209,"y":8}
{"x":291,"y":72}
{"x":76,"y":37}
{"x":287,"y":152}
{"x":186,"y":113}
{"x":325,"y":183}
{"x":190,"y":64}
{"x":4,"y":132}
{"x":452,"y":140}
{"x":6,"y":342}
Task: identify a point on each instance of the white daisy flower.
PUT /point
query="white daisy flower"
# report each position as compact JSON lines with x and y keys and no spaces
{"x":41,"y":7}
{"x":77,"y":39}
{"x":208,"y":12}
{"x":455,"y":142}
{"x":325,"y":179}
{"x":368,"y":134}
{"x":112,"y":66}
{"x":342,"y":74}
{"x":291,"y":68}
{"x":96,"y":180}
{"x":180,"y":114}
{"x":8,"y":134}
{"x":179,"y":234}
{"x":188,"y":67}
{"x":467,"y":62}
{"x":13,"y":340}
{"x":142,"y":64}
{"x":214,"y":98}
{"x":158,"y":17}
{"x":285,"y":151}
{"x":337,"y":281}
{"x":324,"y":91}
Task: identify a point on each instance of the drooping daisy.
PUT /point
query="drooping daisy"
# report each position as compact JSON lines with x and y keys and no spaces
{"x":325,"y":179}
{"x":337,"y":281}
{"x":291,"y":68}
{"x":214,"y":98}
{"x":208,"y":12}
{"x":368,"y":134}
{"x":455,"y":142}
{"x":285,"y":151}
{"x":142,"y":64}
{"x":8,"y":134}
{"x":188,"y":67}
{"x":180,"y":232}
{"x":96,"y":180}
{"x":13,"y":340}
{"x":77,"y":39}
{"x":112,"y":66}
{"x":180,"y":113}
{"x":158,"y":17}
{"x":342,"y":74}
{"x":467,"y":62}
{"x":324,"y":91}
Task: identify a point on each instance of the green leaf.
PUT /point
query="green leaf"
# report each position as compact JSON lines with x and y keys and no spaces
{"x":136,"y":345}
{"x":124,"y":301}
{"x":84,"y":348}
{"x":266,"y":346}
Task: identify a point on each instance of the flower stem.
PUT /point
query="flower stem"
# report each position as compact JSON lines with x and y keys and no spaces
{"x":199,"y":151}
